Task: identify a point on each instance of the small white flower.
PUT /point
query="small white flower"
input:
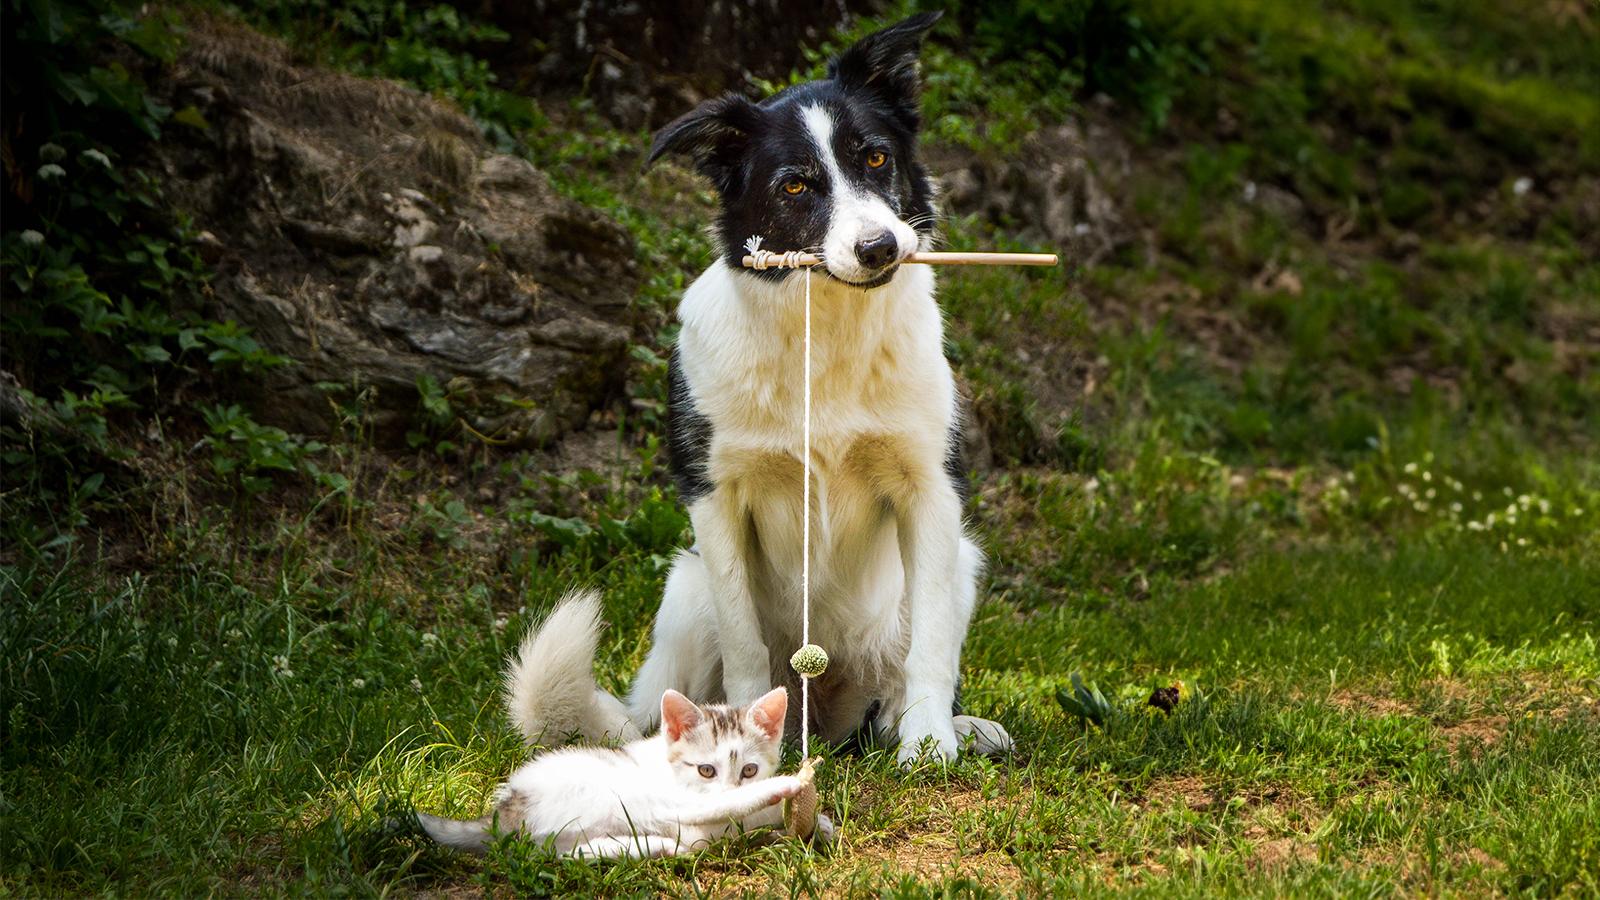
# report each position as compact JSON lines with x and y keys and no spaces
{"x":1577,"y":511}
{"x":358,"y":683}
{"x":52,"y":152}
{"x":1455,"y":508}
{"x":280,"y":667}
{"x":32,"y":238}
{"x":172,"y":640}
{"x":232,"y":634}
{"x":50,"y":172}
{"x":1411,"y":468}
{"x":500,"y":623}
{"x":1522,"y":542}
{"x":1427,"y":476}
{"x":1420,"y":506}
{"x":430,"y":638}
{"x":1522,"y":186}
{"x":1474,"y":526}
{"x":416,"y":684}
{"x":1477,"y":495}
{"x":1430,"y":493}
{"x":95,"y":156}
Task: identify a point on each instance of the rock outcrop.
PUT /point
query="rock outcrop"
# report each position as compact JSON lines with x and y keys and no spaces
{"x":370,"y":234}
{"x":1058,"y":188}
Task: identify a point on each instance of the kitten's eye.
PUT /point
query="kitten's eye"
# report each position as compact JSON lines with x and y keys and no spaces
{"x":749,"y":771}
{"x":876,"y":159}
{"x":708,"y":771}
{"x":794,"y":188}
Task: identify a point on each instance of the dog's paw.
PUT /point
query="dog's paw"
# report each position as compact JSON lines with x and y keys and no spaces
{"x":926,"y":737}
{"x":982,"y":736}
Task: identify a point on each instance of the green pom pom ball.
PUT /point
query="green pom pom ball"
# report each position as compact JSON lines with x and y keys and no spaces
{"x":810,"y":661}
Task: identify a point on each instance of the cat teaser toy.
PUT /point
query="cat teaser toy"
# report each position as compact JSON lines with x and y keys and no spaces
{"x":810,"y":661}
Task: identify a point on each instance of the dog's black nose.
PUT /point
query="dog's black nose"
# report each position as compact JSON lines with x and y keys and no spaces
{"x":877,"y":250}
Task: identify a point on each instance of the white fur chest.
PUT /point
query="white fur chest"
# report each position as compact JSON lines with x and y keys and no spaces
{"x":883,"y":401}
{"x":877,"y":360}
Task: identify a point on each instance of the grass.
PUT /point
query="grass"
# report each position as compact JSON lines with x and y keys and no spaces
{"x":1387,"y":700}
{"x":1337,"y":474}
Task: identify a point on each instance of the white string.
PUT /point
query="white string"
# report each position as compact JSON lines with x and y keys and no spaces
{"x":805,"y":538}
{"x":760,"y":260}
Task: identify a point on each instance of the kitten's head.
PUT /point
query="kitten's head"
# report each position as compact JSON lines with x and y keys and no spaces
{"x":713,"y":748}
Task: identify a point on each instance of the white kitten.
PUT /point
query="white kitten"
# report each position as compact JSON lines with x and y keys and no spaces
{"x":709,"y":773}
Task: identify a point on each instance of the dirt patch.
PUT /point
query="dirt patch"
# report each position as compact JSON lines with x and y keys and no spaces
{"x":1373,"y":705}
{"x":1281,"y":853}
{"x":926,"y":846}
{"x":1474,"y":734}
{"x":1463,"y":717}
{"x":932,"y":857}
{"x":1189,"y":790}
{"x":1123,"y":872}
{"x":1264,"y":804}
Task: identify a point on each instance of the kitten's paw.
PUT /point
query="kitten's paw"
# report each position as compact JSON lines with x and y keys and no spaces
{"x":825,"y":833}
{"x":782,"y":787}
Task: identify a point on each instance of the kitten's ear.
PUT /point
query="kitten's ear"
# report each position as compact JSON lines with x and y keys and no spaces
{"x":678,"y":715}
{"x":883,"y":65}
{"x":712,"y":134}
{"x":768,"y":712}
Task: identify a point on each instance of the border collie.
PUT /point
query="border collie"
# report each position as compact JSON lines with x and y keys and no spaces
{"x":828,"y":167}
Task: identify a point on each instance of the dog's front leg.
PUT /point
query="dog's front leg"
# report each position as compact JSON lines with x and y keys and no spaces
{"x":722,"y":534}
{"x":929,"y":525}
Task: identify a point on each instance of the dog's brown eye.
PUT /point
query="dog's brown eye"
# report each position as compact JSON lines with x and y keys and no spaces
{"x":707,"y":771}
{"x":749,"y":771}
{"x":794,"y":187}
{"x":876,"y":159}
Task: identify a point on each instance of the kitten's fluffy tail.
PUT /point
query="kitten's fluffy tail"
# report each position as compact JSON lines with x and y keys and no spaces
{"x":471,"y":835}
{"x":549,"y":685}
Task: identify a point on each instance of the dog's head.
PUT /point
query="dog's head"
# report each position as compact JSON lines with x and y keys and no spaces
{"x":827,"y":166}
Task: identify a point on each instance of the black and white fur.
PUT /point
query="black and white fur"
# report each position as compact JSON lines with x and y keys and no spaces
{"x":893,"y":575}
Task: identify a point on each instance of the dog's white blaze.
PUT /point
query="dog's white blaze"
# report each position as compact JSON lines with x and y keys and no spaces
{"x":855,"y":214}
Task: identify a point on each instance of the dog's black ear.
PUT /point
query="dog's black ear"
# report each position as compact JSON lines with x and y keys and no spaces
{"x":884,"y":63}
{"x":712,"y":134}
